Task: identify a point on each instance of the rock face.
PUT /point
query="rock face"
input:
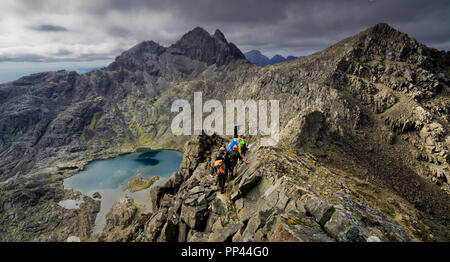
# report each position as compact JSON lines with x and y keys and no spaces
{"x":269,"y":210}
{"x":363,"y":152}
{"x":121,"y":216}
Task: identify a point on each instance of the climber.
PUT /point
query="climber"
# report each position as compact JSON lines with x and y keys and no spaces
{"x":234,"y":156}
{"x":220,"y":168}
{"x":242,"y":147}
{"x":233,"y":142}
{"x":235,"y":131}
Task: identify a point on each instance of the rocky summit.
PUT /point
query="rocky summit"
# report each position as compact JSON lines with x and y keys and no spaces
{"x":363,"y":153}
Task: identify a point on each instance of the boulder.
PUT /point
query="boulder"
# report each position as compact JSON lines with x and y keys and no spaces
{"x":226,"y":233}
{"x":73,"y":239}
{"x":169,"y":232}
{"x":194,"y":216}
{"x":297,"y":229}
{"x":255,"y":223}
{"x":321,"y":211}
{"x":247,"y":184}
{"x":96,"y":195}
{"x":345,"y":227}
{"x":154,"y":226}
{"x":196,"y":236}
{"x":121,"y":214}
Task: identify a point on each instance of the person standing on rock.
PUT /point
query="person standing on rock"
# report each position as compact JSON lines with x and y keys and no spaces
{"x":233,"y":142}
{"x":220,"y":168}
{"x":233,"y":157}
{"x":242,"y":146}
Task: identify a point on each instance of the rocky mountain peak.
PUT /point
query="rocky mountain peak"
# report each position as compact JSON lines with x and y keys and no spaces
{"x":137,"y":56}
{"x":198,"y":44}
{"x":148,"y":47}
{"x":383,"y":42}
{"x":382,"y":29}
{"x":195,"y":36}
{"x":218,"y":35}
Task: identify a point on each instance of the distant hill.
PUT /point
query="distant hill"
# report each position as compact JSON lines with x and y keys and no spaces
{"x":257,"y":58}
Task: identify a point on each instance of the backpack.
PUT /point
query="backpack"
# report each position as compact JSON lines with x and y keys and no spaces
{"x":219,"y":166}
{"x":234,"y":156}
{"x":233,"y":142}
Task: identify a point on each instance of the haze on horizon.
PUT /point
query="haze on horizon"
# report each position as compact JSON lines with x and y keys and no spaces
{"x":80,"y":32}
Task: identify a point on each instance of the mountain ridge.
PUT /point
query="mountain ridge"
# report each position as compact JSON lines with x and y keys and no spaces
{"x":257,"y":58}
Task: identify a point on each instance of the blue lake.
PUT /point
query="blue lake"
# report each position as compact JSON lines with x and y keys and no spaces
{"x":108,"y":177}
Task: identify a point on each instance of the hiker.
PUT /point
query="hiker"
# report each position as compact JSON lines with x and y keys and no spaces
{"x":242,"y":147}
{"x":220,"y":168}
{"x":233,"y":158}
{"x":235,"y":132}
{"x":233,"y":142}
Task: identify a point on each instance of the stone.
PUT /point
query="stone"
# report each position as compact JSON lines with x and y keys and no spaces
{"x":254,"y":223}
{"x":248,"y":182}
{"x":197,"y":236}
{"x":182,"y":232}
{"x":194,"y":216}
{"x":156,"y":193}
{"x":373,"y":239}
{"x":73,"y":239}
{"x":96,"y":195}
{"x":320,"y":210}
{"x":155,"y":224}
{"x":297,"y":229}
{"x":344,"y":227}
{"x":121,"y":214}
{"x":226,"y":233}
{"x":218,"y":206}
{"x":169,"y":232}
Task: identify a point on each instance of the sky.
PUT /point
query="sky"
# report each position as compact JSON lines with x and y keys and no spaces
{"x":41,"y":33}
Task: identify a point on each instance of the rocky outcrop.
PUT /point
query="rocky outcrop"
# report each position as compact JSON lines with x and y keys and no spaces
{"x":270,"y":208}
{"x":199,"y":45}
{"x":139,"y":183}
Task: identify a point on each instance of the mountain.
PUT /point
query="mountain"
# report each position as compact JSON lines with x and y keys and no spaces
{"x":255,"y":57}
{"x":363,"y":152}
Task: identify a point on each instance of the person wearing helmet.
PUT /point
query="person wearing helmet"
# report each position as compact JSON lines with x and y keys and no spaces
{"x":242,"y":145}
{"x":234,"y":156}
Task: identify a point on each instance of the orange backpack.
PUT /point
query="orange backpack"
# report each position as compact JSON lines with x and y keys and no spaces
{"x":219,"y":167}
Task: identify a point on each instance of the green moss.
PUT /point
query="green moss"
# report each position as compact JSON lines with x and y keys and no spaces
{"x":94,"y":120}
{"x":138,"y":183}
{"x":293,"y":221}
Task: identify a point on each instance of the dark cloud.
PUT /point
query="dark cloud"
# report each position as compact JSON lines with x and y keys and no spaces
{"x":49,"y":28}
{"x":288,"y":27}
{"x":63,"y":52}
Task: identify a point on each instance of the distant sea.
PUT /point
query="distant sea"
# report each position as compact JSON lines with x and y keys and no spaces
{"x":10,"y":71}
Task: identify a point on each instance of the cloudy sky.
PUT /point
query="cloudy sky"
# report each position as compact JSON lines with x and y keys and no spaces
{"x":98,"y":30}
